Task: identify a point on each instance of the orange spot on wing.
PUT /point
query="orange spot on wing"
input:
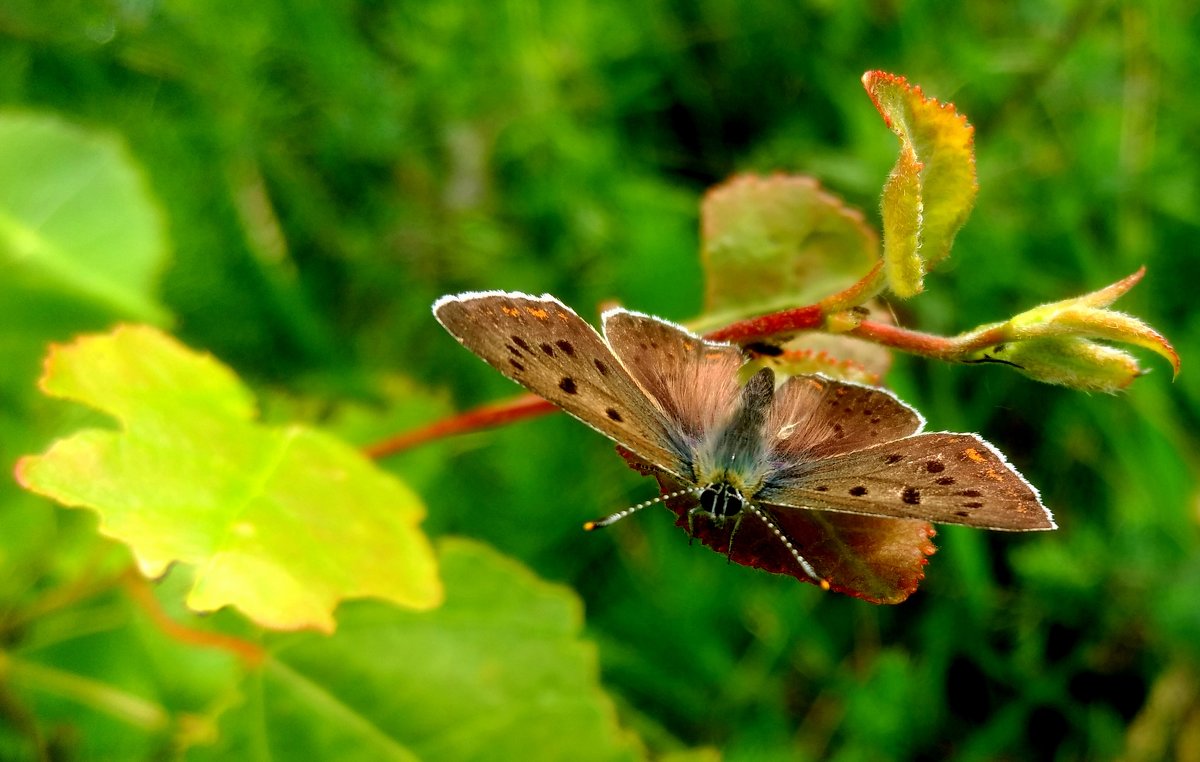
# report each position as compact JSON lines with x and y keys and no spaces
{"x":537,"y":312}
{"x":974,"y":455}
{"x":510,"y":311}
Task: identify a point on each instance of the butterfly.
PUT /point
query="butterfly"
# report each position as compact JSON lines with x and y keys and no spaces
{"x":821,"y":468}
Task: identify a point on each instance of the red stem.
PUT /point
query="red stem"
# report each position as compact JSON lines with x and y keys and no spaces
{"x":924,"y":344}
{"x":482,"y":417}
{"x":139,"y":590}
{"x":766,"y":326}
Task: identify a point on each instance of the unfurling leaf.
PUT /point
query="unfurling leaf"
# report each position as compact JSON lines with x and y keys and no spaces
{"x":931,"y":189}
{"x":280,"y":522}
{"x":1055,"y":342}
{"x":1071,"y":361}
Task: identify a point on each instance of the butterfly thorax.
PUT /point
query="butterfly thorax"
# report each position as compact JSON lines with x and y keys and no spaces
{"x":731,"y":466}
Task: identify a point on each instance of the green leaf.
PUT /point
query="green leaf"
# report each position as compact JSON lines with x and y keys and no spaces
{"x":280,"y":522}
{"x":776,"y":242}
{"x":77,"y":218}
{"x":931,"y":189}
{"x":499,"y":672}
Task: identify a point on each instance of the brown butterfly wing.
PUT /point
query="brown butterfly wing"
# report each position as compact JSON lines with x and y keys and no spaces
{"x":815,"y":417}
{"x":694,"y":381}
{"x":543,"y":345}
{"x":940,"y":477}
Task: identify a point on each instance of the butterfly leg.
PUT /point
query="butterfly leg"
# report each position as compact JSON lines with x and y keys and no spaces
{"x":737,"y":522}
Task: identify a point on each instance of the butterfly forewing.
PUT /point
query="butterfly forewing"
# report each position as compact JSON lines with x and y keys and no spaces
{"x":940,"y":477}
{"x":816,"y":417}
{"x":694,"y":381}
{"x":543,"y":345}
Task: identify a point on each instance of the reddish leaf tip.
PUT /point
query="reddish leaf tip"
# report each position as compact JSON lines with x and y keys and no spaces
{"x":872,"y":79}
{"x":19,"y":472}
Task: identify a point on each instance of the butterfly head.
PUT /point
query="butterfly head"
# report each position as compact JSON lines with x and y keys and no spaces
{"x":721,"y":501}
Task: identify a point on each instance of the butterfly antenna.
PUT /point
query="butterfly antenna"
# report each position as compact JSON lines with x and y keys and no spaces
{"x":787,"y":542}
{"x":615,"y":517}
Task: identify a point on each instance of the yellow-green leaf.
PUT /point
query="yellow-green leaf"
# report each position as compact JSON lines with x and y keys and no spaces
{"x":931,"y":189}
{"x":281,"y":522}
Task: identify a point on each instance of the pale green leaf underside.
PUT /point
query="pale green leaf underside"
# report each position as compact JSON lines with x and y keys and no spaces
{"x":280,"y":522}
{"x":77,"y":217}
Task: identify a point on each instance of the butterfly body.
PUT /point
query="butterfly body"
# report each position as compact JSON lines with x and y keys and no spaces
{"x":826,"y":467}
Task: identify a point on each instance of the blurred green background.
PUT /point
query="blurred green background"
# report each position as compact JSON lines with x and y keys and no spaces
{"x":326,"y":170}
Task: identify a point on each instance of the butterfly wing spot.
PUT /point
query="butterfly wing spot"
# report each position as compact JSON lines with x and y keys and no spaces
{"x":517,"y":339}
{"x":568,"y":385}
{"x":601,"y":367}
{"x":969,"y":493}
{"x":973,"y":454}
{"x":516,"y":364}
{"x":549,"y":350}
{"x":892,"y":459}
{"x":935,"y":467}
{"x":945,"y":481}
{"x":566,"y":346}
{"x":821,"y":488}
{"x":510,"y":311}
{"x":858,"y":491}
{"x":972,"y":505}
{"x":614,"y":415}
{"x":911,"y":495}
{"x":538,"y":312}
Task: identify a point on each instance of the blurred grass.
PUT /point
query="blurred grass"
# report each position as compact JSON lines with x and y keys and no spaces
{"x":328,"y":171}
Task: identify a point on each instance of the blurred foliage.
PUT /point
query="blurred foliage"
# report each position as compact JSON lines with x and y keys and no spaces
{"x":325,"y":172}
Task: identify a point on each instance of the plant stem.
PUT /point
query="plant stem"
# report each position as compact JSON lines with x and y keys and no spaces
{"x":483,"y":417}
{"x":948,"y":349}
{"x":139,"y":590}
{"x":131,"y":709}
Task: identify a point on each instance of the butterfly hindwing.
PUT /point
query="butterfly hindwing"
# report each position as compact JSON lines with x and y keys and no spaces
{"x":815,"y":417}
{"x":543,"y":345}
{"x":940,"y":477}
